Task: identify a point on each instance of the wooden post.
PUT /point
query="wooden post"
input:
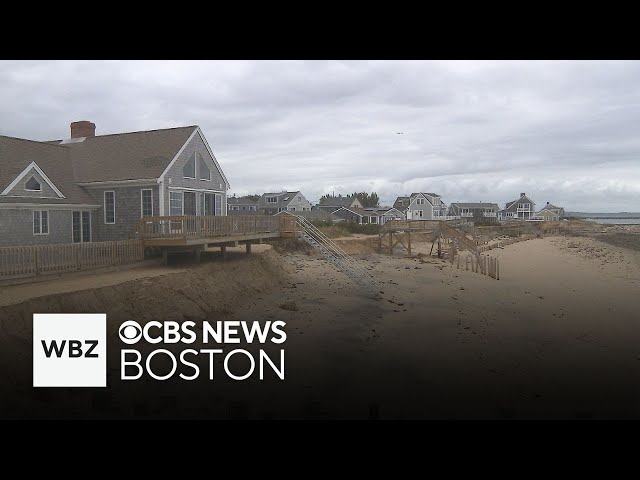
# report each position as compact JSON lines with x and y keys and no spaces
{"x":497,"y":269}
{"x":467,"y":262}
{"x":458,"y":262}
{"x":196,"y":253}
{"x":439,"y":246}
{"x":390,"y":243}
{"x":223,"y":250}
{"x":36,"y":253}
{"x":248,"y":247}
{"x":409,"y":242}
{"x":165,"y":256}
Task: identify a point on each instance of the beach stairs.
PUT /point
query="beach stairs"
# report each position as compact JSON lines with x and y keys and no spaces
{"x":336,"y":256}
{"x":460,"y":238}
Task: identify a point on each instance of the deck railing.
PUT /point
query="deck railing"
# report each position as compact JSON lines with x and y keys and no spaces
{"x":41,"y":259}
{"x":192,"y":226}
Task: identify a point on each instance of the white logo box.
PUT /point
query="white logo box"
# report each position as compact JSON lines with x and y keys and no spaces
{"x":75,"y":359}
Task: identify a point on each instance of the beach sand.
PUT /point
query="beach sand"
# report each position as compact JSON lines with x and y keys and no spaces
{"x":556,"y":337}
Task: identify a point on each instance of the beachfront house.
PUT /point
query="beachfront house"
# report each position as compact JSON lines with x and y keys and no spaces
{"x":272,"y":203}
{"x":334,"y":203}
{"x":522,"y":208}
{"x":478,"y":212}
{"x":551,"y":213}
{"x":421,"y":206}
{"x":241,"y":206}
{"x":314,"y":215}
{"x":90,"y":188}
{"x":381,"y":215}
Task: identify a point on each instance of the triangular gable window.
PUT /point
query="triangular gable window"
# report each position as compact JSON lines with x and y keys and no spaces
{"x":33,"y":185}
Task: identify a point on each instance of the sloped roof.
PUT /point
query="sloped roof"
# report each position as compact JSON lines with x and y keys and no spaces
{"x":475,"y":205}
{"x":425,"y":193}
{"x":338,"y":201}
{"x":398,"y":203}
{"x":16,"y":154}
{"x":126,"y":156}
{"x":284,"y":199}
{"x":241,"y":201}
{"x":549,"y":207}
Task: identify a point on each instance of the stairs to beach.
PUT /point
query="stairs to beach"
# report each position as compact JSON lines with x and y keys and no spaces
{"x":336,"y":256}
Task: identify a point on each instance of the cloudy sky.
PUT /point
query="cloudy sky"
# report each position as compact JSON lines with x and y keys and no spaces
{"x":567,"y":132}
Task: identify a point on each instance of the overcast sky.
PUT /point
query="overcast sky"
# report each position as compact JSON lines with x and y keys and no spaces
{"x":561,"y":131}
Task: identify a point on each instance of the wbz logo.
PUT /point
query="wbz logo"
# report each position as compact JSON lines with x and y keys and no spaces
{"x":69,"y":350}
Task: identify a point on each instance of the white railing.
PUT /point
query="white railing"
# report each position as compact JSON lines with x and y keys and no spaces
{"x":490,"y":214}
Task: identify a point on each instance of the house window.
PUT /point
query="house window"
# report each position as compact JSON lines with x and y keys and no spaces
{"x":189,"y":169}
{"x":272,"y":199}
{"x":110,"y":207}
{"x":236,"y":208}
{"x":40,"y":222}
{"x":33,"y":185}
{"x":292,"y":209}
{"x":420,"y":201}
{"x":189,"y":203}
{"x":218,"y":204}
{"x":146,"y":202}
{"x":205,"y":173}
{"x":81,"y":226}
{"x":175,"y":203}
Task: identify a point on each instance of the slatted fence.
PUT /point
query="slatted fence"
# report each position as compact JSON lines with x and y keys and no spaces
{"x":41,"y":259}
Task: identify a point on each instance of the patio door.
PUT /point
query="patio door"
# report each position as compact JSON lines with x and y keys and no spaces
{"x":189,"y":203}
{"x":209,"y":204}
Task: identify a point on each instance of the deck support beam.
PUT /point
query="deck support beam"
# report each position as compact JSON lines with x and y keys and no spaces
{"x":223,"y":250}
{"x":248,"y":244}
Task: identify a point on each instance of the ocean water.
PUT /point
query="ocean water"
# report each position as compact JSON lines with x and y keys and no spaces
{"x":616,"y":221}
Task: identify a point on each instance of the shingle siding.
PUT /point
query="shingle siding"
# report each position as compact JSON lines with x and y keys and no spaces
{"x":16,"y":227}
{"x":128,"y":212}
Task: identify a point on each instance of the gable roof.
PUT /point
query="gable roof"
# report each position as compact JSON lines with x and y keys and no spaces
{"x":510,"y":204}
{"x":17,"y":154}
{"x":425,"y":193}
{"x":358,"y":211}
{"x":550,"y":207}
{"x":283,"y":199}
{"x":126,"y":156}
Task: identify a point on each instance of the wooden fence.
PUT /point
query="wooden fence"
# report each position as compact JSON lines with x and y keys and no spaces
{"x":42,"y":259}
{"x":191,"y":226}
{"x":481,"y":264}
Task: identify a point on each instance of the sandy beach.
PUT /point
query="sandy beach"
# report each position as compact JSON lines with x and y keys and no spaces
{"x":555,"y":337}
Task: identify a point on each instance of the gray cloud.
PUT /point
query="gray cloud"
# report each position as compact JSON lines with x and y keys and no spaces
{"x":562,"y":131}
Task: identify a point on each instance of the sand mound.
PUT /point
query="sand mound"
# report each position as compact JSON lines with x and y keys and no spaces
{"x":207,"y":291}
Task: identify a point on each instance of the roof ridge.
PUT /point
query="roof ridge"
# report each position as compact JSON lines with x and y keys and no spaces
{"x":144,"y":131}
{"x":39,"y":142}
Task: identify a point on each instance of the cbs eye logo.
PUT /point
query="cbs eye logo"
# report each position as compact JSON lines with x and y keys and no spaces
{"x":130,"y":332}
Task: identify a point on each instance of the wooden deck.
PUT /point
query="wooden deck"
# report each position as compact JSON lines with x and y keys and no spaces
{"x":190,"y":230}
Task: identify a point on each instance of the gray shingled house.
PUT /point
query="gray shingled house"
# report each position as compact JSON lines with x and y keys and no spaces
{"x":272,"y":203}
{"x":421,"y":206}
{"x":95,"y":188}
{"x":522,"y":208}
{"x":241,"y":206}
{"x":551,"y":213}
{"x":334,"y":203}
{"x":487,"y":212}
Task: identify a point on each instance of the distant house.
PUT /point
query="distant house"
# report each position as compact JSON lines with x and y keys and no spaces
{"x":551,"y":213}
{"x":381,"y":215}
{"x":90,"y":188}
{"x":334,"y":203}
{"x":319,"y":215}
{"x":421,"y":206}
{"x":272,"y":203}
{"x":484,"y":211}
{"x":522,"y":208}
{"x":370,"y":215}
{"x":241,"y":206}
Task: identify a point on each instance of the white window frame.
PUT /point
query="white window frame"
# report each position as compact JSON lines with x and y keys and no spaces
{"x":235,"y":207}
{"x":32,"y":190}
{"x":104,"y":200}
{"x":272,"y":199}
{"x":82,"y":226}
{"x":181,"y":202}
{"x":40,"y":222}
{"x":418,"y":213}
{"x":142,"y":190}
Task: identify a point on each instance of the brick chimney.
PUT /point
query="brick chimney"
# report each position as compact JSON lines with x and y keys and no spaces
{"x":83,"y":128}
{"x":521,"y":195}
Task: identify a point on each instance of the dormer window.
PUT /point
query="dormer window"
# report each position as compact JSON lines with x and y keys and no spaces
{"x":33,"y":185}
